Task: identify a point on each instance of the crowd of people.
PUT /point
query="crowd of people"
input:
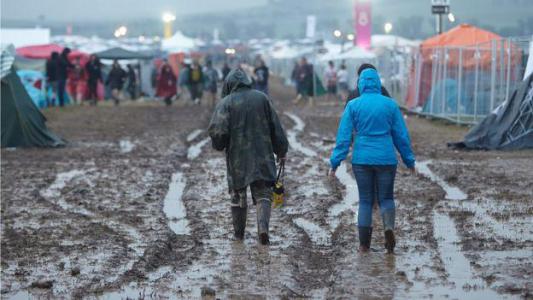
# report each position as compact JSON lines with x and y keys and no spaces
{"x":80,"y":82}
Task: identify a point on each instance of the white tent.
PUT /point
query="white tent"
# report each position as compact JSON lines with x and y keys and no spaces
{"x":178,"y":43}
{"x":392,"y":41}
{"x":21,"y":37}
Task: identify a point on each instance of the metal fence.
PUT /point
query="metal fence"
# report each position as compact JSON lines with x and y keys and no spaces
{"x":464,"y":84}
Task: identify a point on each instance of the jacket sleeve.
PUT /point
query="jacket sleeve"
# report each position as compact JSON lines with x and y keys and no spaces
{"x":401,"y":139}
{"x":344,"y":138}
{"x":277,"y":134}
{"x":219,"y":127}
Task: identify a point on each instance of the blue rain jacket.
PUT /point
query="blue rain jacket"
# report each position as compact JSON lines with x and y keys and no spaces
{"x":378,"y":126}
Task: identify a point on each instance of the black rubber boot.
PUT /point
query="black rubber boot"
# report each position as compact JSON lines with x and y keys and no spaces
{"x":365,"y":237}
{"x":263,"y":220}
{"x":239,"y":221}
{"x":390,"y":241}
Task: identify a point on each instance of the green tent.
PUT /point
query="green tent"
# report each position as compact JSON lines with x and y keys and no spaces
{"x":23,"y":124}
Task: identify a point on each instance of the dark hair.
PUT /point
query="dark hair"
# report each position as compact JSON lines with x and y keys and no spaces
{"x":330,"y":63}
{"x":65,"y":51}
{"x":364,"y":67}
{"x":55,"y":55}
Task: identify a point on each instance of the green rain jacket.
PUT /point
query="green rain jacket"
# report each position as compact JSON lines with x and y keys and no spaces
{"x":246,"y":126}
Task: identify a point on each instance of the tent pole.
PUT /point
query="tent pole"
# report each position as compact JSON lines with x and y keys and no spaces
{"x":492,"y":75}
{"x":477,"y":55}
{"x":459,"y":83}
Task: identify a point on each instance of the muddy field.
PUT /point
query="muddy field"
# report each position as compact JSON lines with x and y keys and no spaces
{"x":137,"y":207}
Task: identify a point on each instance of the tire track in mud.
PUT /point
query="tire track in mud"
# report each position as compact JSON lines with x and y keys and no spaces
{"x":458,"y":268}
{"x":53,"y":194}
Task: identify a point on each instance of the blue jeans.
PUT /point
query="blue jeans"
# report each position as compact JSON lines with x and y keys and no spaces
{"x":375,"y":181}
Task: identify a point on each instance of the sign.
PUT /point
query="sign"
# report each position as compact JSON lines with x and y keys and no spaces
{"x":440,"y":7}
{"x":363,"y":23}
{"x":311,"y":27}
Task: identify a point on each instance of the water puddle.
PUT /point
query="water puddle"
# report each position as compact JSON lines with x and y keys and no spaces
{"x":452,"y":192}
{"x":126,"y":146}
{"x":316,"y":234}
{"x":194,"y":134}
{"x":173,"y":206}
{"x":350,"y":200}
{"x":53,"y":192}
{"x":195,"y":150}
{"x":466,"y":285}
{"x":293,"y":133}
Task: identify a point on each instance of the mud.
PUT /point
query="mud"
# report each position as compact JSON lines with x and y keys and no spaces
{"x":137,"y":207}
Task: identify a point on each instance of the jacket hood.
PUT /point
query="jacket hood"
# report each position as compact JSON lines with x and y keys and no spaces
{"x":236,"y":80}
{"x":369,"y":82}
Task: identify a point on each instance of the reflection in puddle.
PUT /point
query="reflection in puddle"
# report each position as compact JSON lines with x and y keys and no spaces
{"x":195,"y":150}
{"x":194,"y":134}
{"x":315,"y":233}
{"x":126,"y":146}
{"x":452,"y":192}
{"x":173,"y":206}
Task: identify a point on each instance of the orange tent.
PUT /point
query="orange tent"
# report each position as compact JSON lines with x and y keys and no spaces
{"x":464,"y":44}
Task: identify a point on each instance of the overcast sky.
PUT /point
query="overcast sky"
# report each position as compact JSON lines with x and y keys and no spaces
{"x":90,"y":10}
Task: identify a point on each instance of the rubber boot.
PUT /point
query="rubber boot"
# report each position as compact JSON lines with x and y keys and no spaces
{"x":388,"y":225}
{"x":263,"y":220}
{"x":239,"y":221}
{"x":365,"y":236}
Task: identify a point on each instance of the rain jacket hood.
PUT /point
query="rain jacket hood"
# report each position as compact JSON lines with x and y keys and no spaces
{"x":246,"y":126}
{"x":236,"y":80}
{"x":369,"y":82}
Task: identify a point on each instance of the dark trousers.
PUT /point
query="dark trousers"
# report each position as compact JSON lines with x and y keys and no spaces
{"x":375,"y":182}
{"x":261,"y":197}
{"x":61,"y":84}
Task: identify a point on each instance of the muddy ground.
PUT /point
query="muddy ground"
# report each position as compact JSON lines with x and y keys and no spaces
{"x":137,"y":207}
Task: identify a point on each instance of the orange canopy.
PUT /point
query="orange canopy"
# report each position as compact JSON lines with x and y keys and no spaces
{"x":462,"y":35}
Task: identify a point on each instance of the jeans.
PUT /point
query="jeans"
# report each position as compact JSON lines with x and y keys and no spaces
{"x":372,"y":181}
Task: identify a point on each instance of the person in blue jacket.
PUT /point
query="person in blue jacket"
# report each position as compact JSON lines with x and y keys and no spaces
{"x":379,"y":128}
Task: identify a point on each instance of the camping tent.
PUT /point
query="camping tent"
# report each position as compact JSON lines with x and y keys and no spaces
{"x":23,"y":125}
{"x":464,"y":46}
{"x":510,"y":126}
{"x":178,"y":43}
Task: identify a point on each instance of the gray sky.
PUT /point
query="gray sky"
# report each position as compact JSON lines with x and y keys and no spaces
{"x":91,"y":10}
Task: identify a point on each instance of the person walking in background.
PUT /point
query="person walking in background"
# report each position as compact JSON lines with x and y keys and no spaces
{"x":261,"y":74}
{"x":342,"y":78}
{"x":77,"y":82}
{"x":63,"y":67}
{"x":183,"y":79}
{"x":294,"y":77}
{"x":132,"y":82}
{"x":330,"y":76}
{"x":166,"y":84}
{"x":355,"y":93}
{"x":225,"y":70}
{"x":196,"y":81}
{"x":379,"y":128}
{"x":304,"y":77}
{"x":246,"y":126}
{"x":94,"y":74}
{"x":211,"y":81}
{"x":51,"y":77}
{"x":115,"y":81}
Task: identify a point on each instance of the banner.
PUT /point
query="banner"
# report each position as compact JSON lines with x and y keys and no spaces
{"x":363,"y":23}
{"x":311,"y":27}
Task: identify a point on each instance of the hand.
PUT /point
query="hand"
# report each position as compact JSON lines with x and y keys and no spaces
{"x":282,"y":159}
{"x":331,"y":173}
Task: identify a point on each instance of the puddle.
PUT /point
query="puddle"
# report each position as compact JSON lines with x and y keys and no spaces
{"x":126,"y":146}
{"x":293,"y":133}
{"x":195,"y":150}
{"x":53,"y":192}
{"x":466,"y":285}
{"x":350,"y":200}
{"x":173,"y":206}
{"x":194,"y":134}
{"x":452,"y":192}
{"x":315,"y":233}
